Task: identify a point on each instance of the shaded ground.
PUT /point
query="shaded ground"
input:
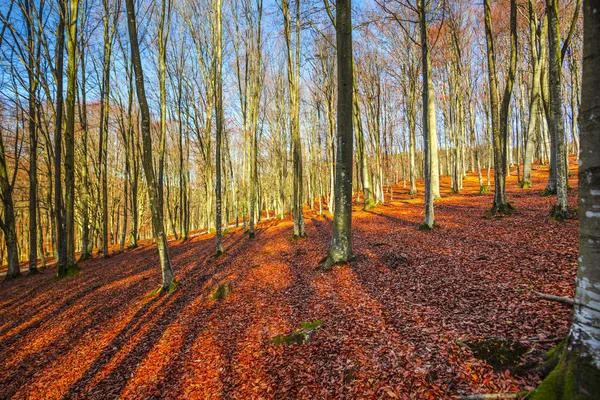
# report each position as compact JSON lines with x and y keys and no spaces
{"x":394,"y":321}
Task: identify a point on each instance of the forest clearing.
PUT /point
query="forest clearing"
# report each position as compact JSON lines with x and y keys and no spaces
{"x":300,"y":199}
{"x":393,"y":320}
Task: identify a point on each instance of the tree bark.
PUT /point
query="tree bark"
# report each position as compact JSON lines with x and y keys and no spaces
{"x":73,"y":15}
{"x":341,"y":239}
{"x":147,"y":163}
{"x":576,"y":374}
{"x":556,"y":122}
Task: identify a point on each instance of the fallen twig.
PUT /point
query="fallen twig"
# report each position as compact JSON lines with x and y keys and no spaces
{"x":559,"y":299}
{"x":491,"y":396}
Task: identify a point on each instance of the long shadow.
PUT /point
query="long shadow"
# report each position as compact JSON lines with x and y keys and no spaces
{"x":141,"y":318}
{"x":30,"y":365}
{"x":113,"y":382}
{"x":63,"y":307}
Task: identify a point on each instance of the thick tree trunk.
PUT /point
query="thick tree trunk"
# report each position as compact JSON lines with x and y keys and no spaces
{"x":576,"y":374}
{"x":341,"y":239}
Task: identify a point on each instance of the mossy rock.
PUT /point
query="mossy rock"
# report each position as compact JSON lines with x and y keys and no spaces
{"x":221,"y":291}
{"x":499,"y":354}
{"x":299,"y":336}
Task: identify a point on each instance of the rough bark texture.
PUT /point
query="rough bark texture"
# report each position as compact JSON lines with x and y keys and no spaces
{"x":576,"y":373}
{"x":219,"y":123}
{"x":147,"y":163}
{"x":7,"y":221}
{"x":33,"y":140}
{"x":70,"y":129}
{"x":556,"y":122}
{"x":341,"y":239}
{"x":430,"y":170}
{"x":538,"y":59}
{"x":293,"y":63}
{"x":61,"y":239}
{"x":500,"y":111}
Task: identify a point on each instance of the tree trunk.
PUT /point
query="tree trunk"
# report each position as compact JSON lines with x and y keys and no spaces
{"x":500,"y":111}
{"x":61,"y":234}
{"x":219,"y":120}
{"x":70,"y":129}
{"x":293,"y":64}
{"x":576,"y":374}
{"x":430,"y":169}
{"x":341,"y":239}
{"x":147,"y":163}
{"x":556,"y":123}
{"x":33,"y":139}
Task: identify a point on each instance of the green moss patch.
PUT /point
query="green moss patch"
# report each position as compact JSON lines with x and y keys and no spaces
{"x":222,"y":291}
{"x":160,"y":290}
{"x":499,"y":354}
{"x":298,"y":336}
{"x":524,"y":185}
{"x":72,"y":271}
{"x":573,"y":377}
{"x":560,"y":214}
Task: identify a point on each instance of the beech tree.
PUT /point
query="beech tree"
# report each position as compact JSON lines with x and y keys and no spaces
{"x":576,"y":361}
{"x":499,"y":112}
{"x":341,"y":239}
{"x":147,"y":158}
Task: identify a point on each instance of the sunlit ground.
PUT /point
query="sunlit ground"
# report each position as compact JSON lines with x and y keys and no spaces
{"x":394,"y":320}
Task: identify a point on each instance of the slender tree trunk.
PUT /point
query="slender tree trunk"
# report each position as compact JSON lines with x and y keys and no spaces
{"x":556,"y":122}
{"x":61,"y":233}
{"x":430,"y":170}
{"x":500,"y":111}
{"x":7,"y":222}
{"x":85,"y":216}
{"x":156,"y":211}
{"x":293,"y":63}
{"x":219,"y":120}
{"x":33,"y":139}
{"x":73,"y":15}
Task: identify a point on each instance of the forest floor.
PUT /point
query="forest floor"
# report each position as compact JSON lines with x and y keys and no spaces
{"x":407,"y":319}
